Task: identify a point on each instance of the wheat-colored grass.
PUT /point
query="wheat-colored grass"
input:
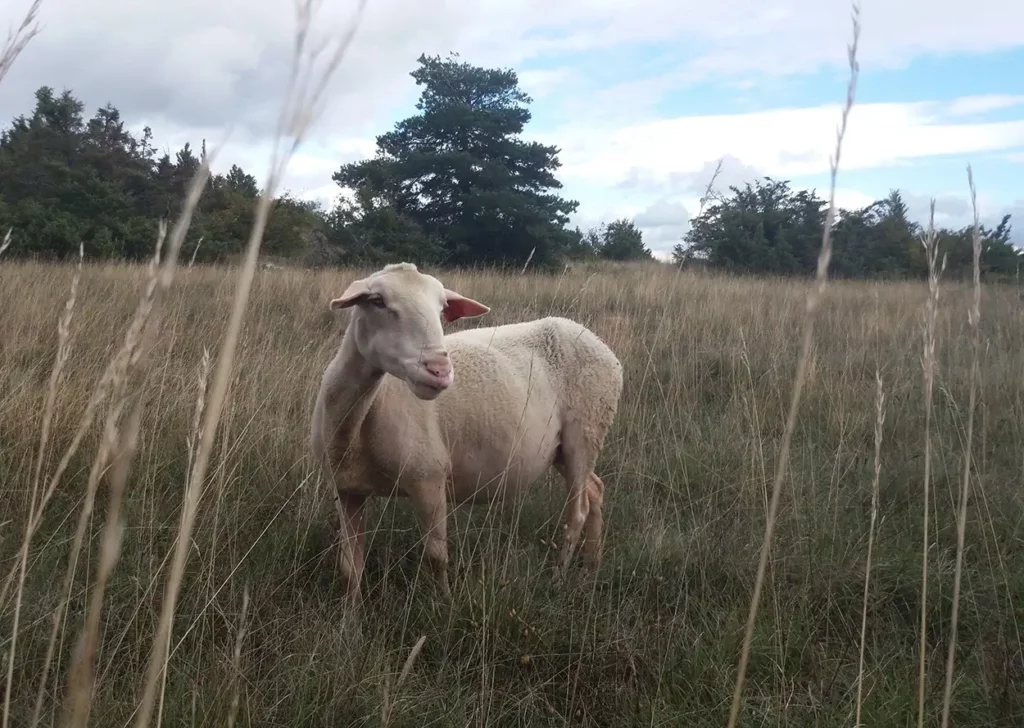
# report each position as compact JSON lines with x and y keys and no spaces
{"x":973,"y":317}
{"x":688,"y":468}
{"x":930,"y":365}
{"x":879,"y":433}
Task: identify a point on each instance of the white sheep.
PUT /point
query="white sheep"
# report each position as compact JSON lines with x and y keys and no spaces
{"x":517,"y":399}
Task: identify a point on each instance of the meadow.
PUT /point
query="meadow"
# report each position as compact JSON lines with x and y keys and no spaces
{"x":260,"y":636}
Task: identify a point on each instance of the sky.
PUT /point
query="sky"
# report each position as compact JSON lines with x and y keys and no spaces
{"x":642,"y":97}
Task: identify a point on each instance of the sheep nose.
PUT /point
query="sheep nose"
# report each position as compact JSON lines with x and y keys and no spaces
{"x":438,"y":364}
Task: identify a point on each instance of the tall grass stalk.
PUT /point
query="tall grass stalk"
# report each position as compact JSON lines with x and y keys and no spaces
{"x":974,"y":318}
{"x":83,"y":669}
{"x":879,"y":428}
{"x":929,"y":365}
{"x":297,"y":113}
{"x":814,"y":297}
{"x":16,"y":42}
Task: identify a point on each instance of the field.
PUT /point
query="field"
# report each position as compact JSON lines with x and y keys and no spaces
{"x":652,"y":639}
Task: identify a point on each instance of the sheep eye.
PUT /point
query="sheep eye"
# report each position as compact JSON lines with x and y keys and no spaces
{"x":376,"y":300}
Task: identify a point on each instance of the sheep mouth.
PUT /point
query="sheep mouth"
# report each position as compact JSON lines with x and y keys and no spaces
{"x":430,"y":387}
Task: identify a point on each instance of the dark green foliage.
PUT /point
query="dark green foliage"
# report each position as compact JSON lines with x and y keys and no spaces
{"x":769,"y":228}
{"x":455,"y":183}
{"x":619,"y":240}
{"x":66,"y":181}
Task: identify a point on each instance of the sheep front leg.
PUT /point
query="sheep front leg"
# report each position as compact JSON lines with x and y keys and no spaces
{"x":432,"y":513}
{"x":352,"y":523}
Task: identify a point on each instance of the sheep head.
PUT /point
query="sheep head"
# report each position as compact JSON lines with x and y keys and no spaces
{"x":396,"y":324}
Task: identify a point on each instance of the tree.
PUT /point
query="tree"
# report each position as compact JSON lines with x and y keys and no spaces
{"x":768,"y":228}
{"x":66,"y":181}
{"x":878,"y":241}
{"x":244,"y":184}
{"x":762,"y":228}
{"x":458,"y":172}
{"x":453,"y":184}
{"x":583,"y":247}
{"x":620,"y":240}
{"x":365,"y":231}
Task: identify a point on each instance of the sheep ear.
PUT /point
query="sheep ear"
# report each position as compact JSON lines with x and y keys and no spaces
{"x":458,"y":306}
{"x":355,"y":291}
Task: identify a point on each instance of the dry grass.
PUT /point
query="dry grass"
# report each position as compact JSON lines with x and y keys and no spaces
{"x":688,"y":468}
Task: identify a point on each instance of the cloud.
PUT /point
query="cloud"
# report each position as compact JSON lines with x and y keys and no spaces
{"x":733,"y":172}
{"x":781,"y":142}
{"x":663,"y":224}
{"x":983,"y":104}
{"x":543,"y":82}
{"x":954,"y":211}
{"x":848,"y":199}
{"x":204,"y":65}
{"x":206,"y":62}
{"x":950,"y":210}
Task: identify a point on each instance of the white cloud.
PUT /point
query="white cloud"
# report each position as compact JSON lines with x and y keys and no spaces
{"x":664,"y":223}
{"x":983,"y":104}
{"x":542,"y":83}
{"x":211,"y":61}
{"x":782,"y":142}
{"x":670,"y":159}
{"x":848,"y":199}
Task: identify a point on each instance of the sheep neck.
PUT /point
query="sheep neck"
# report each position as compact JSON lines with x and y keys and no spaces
{"x":352,"y":389}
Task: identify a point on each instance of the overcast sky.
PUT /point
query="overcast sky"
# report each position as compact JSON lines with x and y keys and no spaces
{"x":642,"y":97}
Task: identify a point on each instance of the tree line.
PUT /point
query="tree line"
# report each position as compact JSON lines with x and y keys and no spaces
{"x":453,"y":184}
{"x":765,"y":227}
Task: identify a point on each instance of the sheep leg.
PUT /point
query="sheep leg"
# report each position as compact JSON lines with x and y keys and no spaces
{"x":595,"y":520}
{"x":575,"y":468}
{"x":432,"y":513}
{"x":578,"y":508}
{"x":352,"y":545}
{"x":576,"y":459}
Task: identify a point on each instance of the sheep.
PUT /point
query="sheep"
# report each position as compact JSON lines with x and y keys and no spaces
{"x":466,"y":417}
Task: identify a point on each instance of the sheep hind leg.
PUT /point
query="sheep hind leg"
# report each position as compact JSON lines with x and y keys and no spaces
{"x":592,"y":528}
{"x":576,"y":465}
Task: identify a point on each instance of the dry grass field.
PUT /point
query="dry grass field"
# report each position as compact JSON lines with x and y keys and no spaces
{"x":259,"y":636}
